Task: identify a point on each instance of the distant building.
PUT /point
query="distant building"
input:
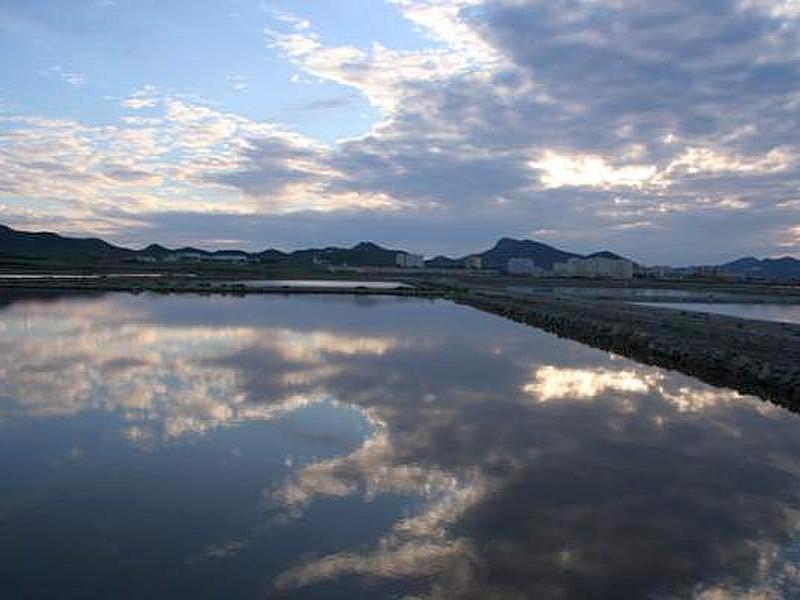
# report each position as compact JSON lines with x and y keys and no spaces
{"x":523,"y":266}
{"x":661,"y":272}
{"x":185,"y":257}
{"x":705,"y":271}
{"x":405,"y":260}
{"x":599,"y":267}
{"x":474,"y":262}
{"x":229,"y":258}
{"x":564,"y":269}
{"x":145,"y":259}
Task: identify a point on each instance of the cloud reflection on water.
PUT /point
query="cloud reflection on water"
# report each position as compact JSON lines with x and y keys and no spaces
{"x":534,"y":467}
{"x":155,"y":375}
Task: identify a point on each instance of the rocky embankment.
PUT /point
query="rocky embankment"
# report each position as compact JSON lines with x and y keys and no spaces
{"x":753,"y":357}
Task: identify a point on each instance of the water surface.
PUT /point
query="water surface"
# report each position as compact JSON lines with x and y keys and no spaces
{"x":319,"y":283}
{"x":661,"y":296}
{"x":782,"y":313}
{"x":622,"y":293}
{"x":25,"y":276}
{"x":341,"y":447}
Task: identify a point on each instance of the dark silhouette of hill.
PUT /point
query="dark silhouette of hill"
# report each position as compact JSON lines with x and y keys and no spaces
{"x":767,"y":268}
{"x":362,"y":254}
{"x":497,"y":257}
{"x":48,"y":245}
{"x":506,"y":248}
{"x":15,"y":244}
{"x":52,"y":246}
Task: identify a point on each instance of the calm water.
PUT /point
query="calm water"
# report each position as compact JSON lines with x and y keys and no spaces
{"x":319,"y":283}
{"x":77,"y":276}
{"x":616,"y":292}
{"x":339,"y":447}
{"x":784,"y":313}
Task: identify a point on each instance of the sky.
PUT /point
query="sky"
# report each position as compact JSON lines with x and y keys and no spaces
{"x":667,"y":131}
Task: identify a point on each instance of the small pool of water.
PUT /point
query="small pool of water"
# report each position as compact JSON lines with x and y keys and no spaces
{"x":782,"y":313}
{"x":601,"y":292}
{"x":74,"y":275}
{"x":320,"y":283}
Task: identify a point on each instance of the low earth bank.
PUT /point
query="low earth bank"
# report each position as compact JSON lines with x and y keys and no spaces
{"x":753,"y":357}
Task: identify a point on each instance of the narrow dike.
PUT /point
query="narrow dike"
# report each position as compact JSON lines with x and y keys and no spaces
{"x":752,"y":357}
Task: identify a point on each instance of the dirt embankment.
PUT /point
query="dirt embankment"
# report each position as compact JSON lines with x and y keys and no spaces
{"x":753,"y":357}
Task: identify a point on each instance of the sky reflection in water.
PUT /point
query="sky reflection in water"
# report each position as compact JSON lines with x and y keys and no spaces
{"x":366,"y":447}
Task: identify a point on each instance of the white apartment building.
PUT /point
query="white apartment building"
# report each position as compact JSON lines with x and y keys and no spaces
{"x":595,"y":267}
{"x":523,"y":266}
{"x":474,"y":262}
{"x":409,"y":261}
{"x":229,"y":258}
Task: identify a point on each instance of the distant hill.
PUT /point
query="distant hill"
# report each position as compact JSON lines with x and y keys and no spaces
{"x":497,"y":257}
{"x":443,"y":262}
{"x":272,"y":256}
{"x":47,"y":245}
{"x":360,"y":255}
{"x":156,"y":251}
{"x":52,"y":246}
{"x":607,"y":254}
{"x":543,"y":255}
{"x":161,"y":253}
{"x":767,"y":268}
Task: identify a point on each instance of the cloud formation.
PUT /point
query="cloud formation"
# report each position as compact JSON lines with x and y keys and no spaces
{"x":611,"y":122}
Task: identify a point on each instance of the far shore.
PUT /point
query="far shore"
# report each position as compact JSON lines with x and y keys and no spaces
{"x":236,"y":281}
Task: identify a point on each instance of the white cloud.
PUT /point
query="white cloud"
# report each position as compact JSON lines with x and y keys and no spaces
{"x":144,"y":97}
{"x":559,"y":170}
{"x":287,"y":18}
{"x":238,"y":83}
{"x":73,"y":78}
{"x":706,"y":160}
{"x":522,"y":111}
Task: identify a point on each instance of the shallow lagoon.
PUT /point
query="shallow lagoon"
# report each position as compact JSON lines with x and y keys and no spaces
{"x":363,"y":447}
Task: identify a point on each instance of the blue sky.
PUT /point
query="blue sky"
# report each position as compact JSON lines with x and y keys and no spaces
{"x":667,"y":131}
{"x":77,"y":59}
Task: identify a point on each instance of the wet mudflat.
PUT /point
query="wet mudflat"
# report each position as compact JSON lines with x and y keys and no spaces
{"x":363,"y":447}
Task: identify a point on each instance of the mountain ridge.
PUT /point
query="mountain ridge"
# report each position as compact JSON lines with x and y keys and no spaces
{"x":49,"y":245}
{"x":785,"y":267}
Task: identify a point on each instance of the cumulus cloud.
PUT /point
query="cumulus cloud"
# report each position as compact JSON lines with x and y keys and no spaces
{"x":518,"y":111}
{"x":144,"y":97}
{"x":688,"y":107}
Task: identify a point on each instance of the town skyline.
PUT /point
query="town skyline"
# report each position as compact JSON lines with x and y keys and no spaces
{"x":506,"y":255}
